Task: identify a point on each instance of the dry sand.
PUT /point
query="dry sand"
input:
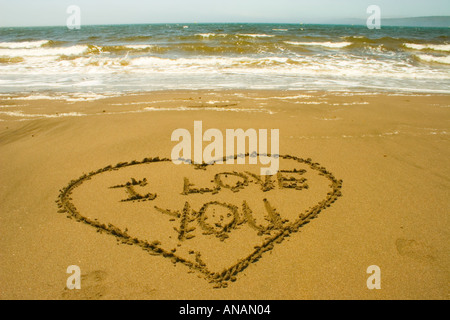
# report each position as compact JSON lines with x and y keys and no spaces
{"x":380,"y":197}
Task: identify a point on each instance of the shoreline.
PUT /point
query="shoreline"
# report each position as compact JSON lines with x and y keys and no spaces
{"x":28,"y":107}
{"x":54,"y":94}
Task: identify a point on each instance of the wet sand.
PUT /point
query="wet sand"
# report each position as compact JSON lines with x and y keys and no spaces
{"x":375,"y":166}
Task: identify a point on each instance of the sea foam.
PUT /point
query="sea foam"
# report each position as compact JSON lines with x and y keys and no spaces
{"x":23,"y":45}
{"x":436,"y":47}
{"x":320,"y":44}
{"x":430,"y":58}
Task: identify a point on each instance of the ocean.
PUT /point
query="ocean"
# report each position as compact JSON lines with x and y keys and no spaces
{"x":98,"y":61}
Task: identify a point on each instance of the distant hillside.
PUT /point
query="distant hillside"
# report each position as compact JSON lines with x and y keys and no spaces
{"x":437,"y":22}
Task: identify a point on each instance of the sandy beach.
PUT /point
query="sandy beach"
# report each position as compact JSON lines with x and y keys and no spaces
{"x":376,"y":165}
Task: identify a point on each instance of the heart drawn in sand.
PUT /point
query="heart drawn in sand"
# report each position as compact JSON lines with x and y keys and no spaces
{"x":215,"y":219}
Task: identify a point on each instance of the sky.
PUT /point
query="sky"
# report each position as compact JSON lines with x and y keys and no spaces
{"x":53,"y":12}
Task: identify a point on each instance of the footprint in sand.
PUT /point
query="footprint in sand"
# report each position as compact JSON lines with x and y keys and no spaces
{"x":92,"y":287}
{"x":415,"y":250}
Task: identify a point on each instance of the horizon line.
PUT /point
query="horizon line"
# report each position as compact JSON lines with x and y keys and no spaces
{"x":358,"y":22}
